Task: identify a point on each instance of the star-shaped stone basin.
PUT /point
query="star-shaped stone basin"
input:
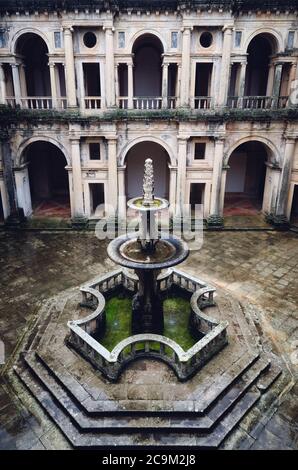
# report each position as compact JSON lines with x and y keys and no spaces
{"x":190,"y":337}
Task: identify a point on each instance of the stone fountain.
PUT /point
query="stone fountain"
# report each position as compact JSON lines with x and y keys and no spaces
{"x":147,"y":275}
{"x":148,"y":254}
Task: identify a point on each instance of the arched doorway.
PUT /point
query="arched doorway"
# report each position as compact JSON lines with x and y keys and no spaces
{"x":48,"y":180}
{"x":34,"y":53}
{"x":260,"y":50}
{"x":135,"y":160}
{"x":294,"y":209}
{"x":245,"y":180}
{"x":147,"y":51}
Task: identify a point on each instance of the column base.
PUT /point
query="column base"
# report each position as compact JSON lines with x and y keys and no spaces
{"x":79,"y":222}
{"x":16,"y":219}
{"x":215,"y":221}
{"x":278,"y":221}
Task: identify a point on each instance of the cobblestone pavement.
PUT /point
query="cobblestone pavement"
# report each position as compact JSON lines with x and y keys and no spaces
{"x":260,"y":267}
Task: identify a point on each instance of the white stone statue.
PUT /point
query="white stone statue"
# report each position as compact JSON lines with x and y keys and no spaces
{"x":148,"y":183}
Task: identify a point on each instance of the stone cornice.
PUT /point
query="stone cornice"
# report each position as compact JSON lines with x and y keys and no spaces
{"x":235,"y":6}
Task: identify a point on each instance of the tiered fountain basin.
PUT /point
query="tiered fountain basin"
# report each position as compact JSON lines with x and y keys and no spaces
{"x":91,"y":338}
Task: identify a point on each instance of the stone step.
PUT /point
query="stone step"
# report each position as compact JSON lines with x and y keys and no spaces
{"x":199,"y":402}
{"x":213,"y":391}
{"x":195,"y":422}
{"x":93,"y":423}
{"x":267,"y":380}
{"x":157,"y":438}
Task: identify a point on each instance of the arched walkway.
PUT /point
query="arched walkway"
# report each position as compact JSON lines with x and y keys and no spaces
{"x":34,"y":52}
{"x":245,"y":181}
{"x":148,"y":50}
{"x":135,"y":160}
{"x":48,"y":180}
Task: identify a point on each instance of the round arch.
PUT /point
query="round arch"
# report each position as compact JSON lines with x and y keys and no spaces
{"x":145,"y":32}
{"x":272,"y":35}
{"x":139,"y":140}
{"x":24,"y":145}
{"x":23,"y":31}
{"x":135,"y":160}
{"x":273,"y":155}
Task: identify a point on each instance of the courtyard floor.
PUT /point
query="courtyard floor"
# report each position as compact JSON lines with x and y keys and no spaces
{"x":261,"y":267}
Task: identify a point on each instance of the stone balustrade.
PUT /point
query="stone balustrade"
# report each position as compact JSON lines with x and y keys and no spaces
{"x":111,"y":363}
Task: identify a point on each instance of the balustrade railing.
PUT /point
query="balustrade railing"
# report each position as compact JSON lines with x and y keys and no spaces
{"x":202,"y":102}
{"x":92,"y":102}
{"x":37,"y":102}
{"x":257,"y":102}
{"x":147,"y":103}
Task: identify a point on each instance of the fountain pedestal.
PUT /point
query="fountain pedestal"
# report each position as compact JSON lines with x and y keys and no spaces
{"x":147,"y":307}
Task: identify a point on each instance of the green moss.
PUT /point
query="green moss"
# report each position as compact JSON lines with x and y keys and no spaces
{"x":176,"y":317}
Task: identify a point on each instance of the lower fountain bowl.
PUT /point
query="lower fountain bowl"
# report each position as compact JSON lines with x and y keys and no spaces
{"x":127,"y":252}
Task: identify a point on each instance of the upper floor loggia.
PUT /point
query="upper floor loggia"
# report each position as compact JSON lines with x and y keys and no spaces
{"x":150,"y":76}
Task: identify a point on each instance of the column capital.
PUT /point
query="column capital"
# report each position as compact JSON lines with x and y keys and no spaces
{"x":183,"y":139}
{"x":51,"y":64}
{"x":109,"y":28}
{"x":290,"y":139}
{"x":186,"y":29}
{"x":74,"y":140}
{"x":67,"y":28}
{"x":228,"y":28}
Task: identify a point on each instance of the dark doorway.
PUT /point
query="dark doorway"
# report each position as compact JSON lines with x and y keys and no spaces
{"x":48,"y":180}
{"x":97,"y":198}
{"x":203,"y":84}
{"x":196,"y":194}
{"x":246,"y":180}
{"x":147,"y":52}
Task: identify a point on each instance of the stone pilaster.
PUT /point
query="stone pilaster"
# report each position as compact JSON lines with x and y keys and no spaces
{"x":2,"y":86}
{"x":112,"y":175}
{"x":225,"y":65}
{"x":130,"y":85}
{"x":16,"y":215}
{"x":110,"y":67}
{"x":70,"y":68}
{"x":185,"y":67}
{"x":16,"y":83}
{"x":181,"y":175}
{"x":77,"y":210}
{"x":215,"y":217}
{"x":53,"y":84}
{"x":285,"y":179}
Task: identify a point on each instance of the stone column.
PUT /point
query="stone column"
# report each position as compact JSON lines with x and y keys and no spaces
{"x":215,"y":217}
{"x":16,"y":83}
{"x":181,"y":175}
{"x":15,"y":214}
{"x":178,"y":86}
{"x":117,"y":89}
{"x":242,"y":76}
{"x":173,"y":186}
{"x":165,"y":69}
{"x":225,"y":65}
{"x":23,"y":83}
{"x":2,"y":86}
{"x":130,"y":85}
{"x":277,"y":82}
{"x":109,"y":69}
{"x":77,"y":211}
{"x":121,"y":192}
{"x":53,"y":84}
{"x":285,"y":179}
{"x":185,"y":67}
{"x":269,"y":89}
{"x":70,"y":69}
{"x":112,"y":175}
{"x":292,"y":84}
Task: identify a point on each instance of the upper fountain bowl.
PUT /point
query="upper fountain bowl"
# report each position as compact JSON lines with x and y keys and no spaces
{"x":139,"y":204}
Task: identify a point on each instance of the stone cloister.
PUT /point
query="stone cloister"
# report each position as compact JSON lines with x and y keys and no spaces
{"x":196,"y":85}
